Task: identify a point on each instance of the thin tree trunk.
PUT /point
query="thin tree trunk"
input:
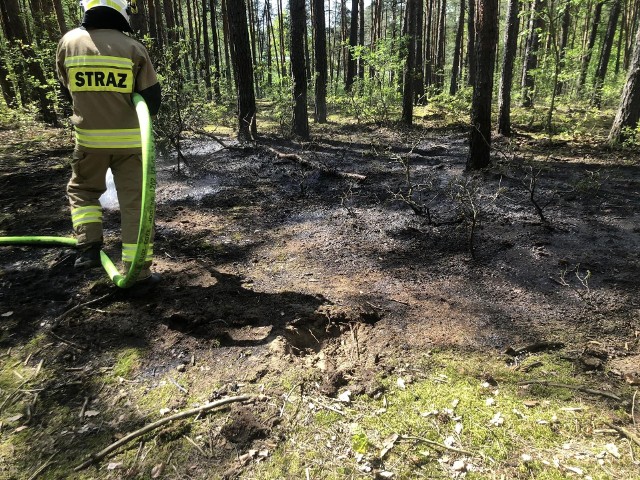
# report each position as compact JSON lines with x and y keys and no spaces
{"x":228,"y":61}
{"x":216,"y":51}
{"x":207,"y":52}
{"x":62,"y":22}
{"x":409,"y":70}
{"x":457,"y":53}
{"x":281,"y":33}
{"x":418,"y":81}
{"x":605,"y":54}
{"x":508,"y":59}
{"x":298,"y":20}
{"x":586,"y":58}
{"x":566,"y":26}
{"x":353,"y":42}
{"x":531,"y":53}
{"x":320,"y":46}
{"x":239,"y":35}
{"x":471,"y":41}
{"x":487,"y":31}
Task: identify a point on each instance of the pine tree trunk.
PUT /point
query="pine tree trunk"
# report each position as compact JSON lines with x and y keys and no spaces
{"x":440,"y":54}
{"x":605,"y":54}
{"x":283,"y":63}
{"x":239,"y":36}
{"x":629,"y":111}
{"x":228,"y":62}
{"x":457,"y":53}
{"x":409,"y":69}
{"x":564,"y":41}
{"x":320,"y":62}
{"x":508,"y":59}
{"x":471,"y":41}
{"x":586,"y":58}
{"x":207,"y":52}
{"x":361,"y":39}
{"x":487,"y":39}
{"x":62,"y":22}
{"x":151,"y":9}
{"x":298,"y":21}
{"x":353,"y":42}
{"x":216,"y":51}
{"x":418,"y":81}
{"x":530,"y":62}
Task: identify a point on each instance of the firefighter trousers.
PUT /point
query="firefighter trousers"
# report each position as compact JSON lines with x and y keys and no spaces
{"x":88,"y":183}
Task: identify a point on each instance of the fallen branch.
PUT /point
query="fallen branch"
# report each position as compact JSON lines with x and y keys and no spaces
{"x":58,"y":319}
{"x":625,"y":433}
{"x":316,"y":166}
{"x":580,"y":388}
{"x":211,"y":136}
{"x":96,"y":457}
{"x":534,"y":348}
{"x":438,"y":445}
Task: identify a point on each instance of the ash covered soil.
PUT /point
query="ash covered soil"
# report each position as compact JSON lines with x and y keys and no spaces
{"x":273,"y":259}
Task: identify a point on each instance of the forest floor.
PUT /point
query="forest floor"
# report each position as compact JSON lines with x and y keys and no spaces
{"x":389,"y":315}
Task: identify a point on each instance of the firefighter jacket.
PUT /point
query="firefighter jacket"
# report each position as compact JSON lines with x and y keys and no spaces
{"x":101,"y":68}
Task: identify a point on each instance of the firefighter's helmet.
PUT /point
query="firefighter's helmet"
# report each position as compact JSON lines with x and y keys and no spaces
{"x":124,"y":7}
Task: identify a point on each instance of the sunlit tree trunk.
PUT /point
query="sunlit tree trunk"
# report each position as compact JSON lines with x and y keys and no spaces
{"x":628,"y":113}
{"x":216,"y":51}
{"x":207,"y":52}
{"x":320,"y":46}
{"x":418,"y":81}
{"x":508,"y":59}
{"x":457,"y":52}
{"x":409,"y":69}
{"x":239,"y":36}
{"x":586,"y":57}
{"x":605,"y":54}
{"x":298,"y":20}
{"x":531,"y":53}
{"x":564,"y":41}
{"x":471,"y":39}
{"x":487,"y":39}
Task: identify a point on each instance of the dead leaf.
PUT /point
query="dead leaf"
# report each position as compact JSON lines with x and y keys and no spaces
{"x":489,"y":402}
{"x":458,"y":428}
{"x":632,"y":378}
{"x":612,"y":449}
{"x":14,"y":418}
{"x":531,"y":403}
{"x":114,"y":465}
{"x":458,"y":466}
{"x":384,"y":474}
{"x":7,"y":314}
{"x":401,"y":383}
{"x":345,"y":397}
{"x":164,"y":411}
{"x":157,"y":470}
{"x":19,"y":429}
{"x":91,"y":413}
{"x":388,"y":444}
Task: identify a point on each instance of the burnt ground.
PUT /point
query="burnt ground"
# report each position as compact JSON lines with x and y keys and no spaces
{"x":271,"y":264}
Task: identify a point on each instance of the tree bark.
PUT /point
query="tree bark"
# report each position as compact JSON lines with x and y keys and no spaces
{"x":216,"y":51}
{"x":298,"y":20}
{"x":418,"y":80}
{"x":441,"y":52}
{"x":239,"y":36}
{"x":508,"y":59}
{"x":457,"y":52}
{"x":62,"y":22}
{"x":605,"y":54}
{"x":409,"y":69}
{"x":487,"y":39}
{"x":207,"y":52}
{"x":536,"y":23}
{"x":353,"y":42}
{"x":471,"y":41}
{"x":564,"y":41}
{"x":586,"y":57}
{"x":628,"y":113}
{"x":320,"y":46}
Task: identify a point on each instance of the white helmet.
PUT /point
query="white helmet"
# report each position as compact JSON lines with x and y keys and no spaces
{"x":122,"y":6}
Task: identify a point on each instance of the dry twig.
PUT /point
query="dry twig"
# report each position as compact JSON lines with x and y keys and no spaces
{"x":625,"y":433}
{"x":96,"y":457}
{"x":316,"y":166}
{"x":580,"y":388}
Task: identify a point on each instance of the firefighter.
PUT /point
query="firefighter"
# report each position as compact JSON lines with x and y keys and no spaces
{"x":99,"y":67}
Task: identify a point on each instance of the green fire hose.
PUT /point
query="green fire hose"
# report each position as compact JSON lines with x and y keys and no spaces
{"x":147,"y":210}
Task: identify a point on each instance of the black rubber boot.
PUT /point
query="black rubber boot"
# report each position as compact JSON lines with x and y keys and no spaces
{"x":88,"y":256}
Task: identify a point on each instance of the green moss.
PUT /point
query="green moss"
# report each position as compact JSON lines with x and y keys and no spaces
{"x":127,"y":361}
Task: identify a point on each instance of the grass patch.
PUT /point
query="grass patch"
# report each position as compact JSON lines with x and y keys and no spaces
{"x":494,"y":426}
